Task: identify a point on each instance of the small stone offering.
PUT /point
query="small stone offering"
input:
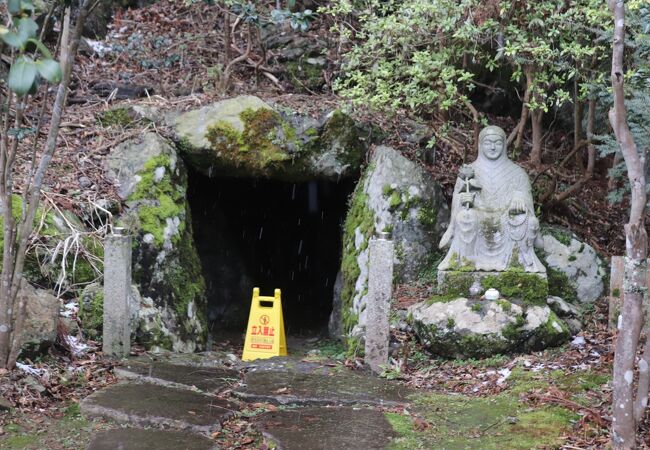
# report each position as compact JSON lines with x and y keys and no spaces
{"x":491,"y":294}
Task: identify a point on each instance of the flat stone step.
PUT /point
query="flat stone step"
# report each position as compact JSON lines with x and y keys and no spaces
{"x":145,"y":404}
{"x":326,"y":428}
{"x":139,"y":439}
{"x":319,"y":389}
{"x":205,"y":379}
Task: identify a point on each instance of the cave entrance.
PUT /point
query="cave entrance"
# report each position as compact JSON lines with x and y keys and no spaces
{"x":269,"y":234}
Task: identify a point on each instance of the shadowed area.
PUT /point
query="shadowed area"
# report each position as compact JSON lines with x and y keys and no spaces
{"x":269,"y":234}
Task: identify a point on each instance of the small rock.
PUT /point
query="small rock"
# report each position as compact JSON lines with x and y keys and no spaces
{"x":562,"y":308}
{"x":84,"y":182}
{"x":320,"y":61}
{"x":5,"y":405}
{"x":578,"y":342}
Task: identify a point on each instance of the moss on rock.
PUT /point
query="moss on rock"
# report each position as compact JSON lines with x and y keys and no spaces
{"x":304,"y":76}
{"x":162,"y":201}
{"x":119,"y":116}
{"x":360,"y":219}
{"x":166,"y":266}
{"x":258,"y":147}
{"x":245,"y":137}
{"x":530,"y":288}
{"x":91,"y":310}
{"x":559,"y":284}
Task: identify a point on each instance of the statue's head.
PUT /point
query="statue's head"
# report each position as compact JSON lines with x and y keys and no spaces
{"x":492,"y":142}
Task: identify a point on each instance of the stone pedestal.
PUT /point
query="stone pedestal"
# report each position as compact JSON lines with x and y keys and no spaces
{"x":529,"y":287}
{"x":380,"y":289}
{"x":117,"y":288}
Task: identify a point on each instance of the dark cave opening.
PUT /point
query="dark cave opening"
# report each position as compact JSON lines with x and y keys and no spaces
{"x":268,"y":234}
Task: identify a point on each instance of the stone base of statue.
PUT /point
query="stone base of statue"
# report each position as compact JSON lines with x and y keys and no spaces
{"x":529,"y":288}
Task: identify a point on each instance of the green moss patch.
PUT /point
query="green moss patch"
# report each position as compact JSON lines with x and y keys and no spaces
{"x":456,"y":284}
{"x":495,"y":422}
{"x":341,"y":132}
{"x":161,"y":199}
{"x":259,"y":146}
{"x":359,"y":217}
{"x":116,"y":117}
{"x":562,"y":236}
{"x":91,"y":311}
{"x":559,"y":284}
{"x":530,"y":288}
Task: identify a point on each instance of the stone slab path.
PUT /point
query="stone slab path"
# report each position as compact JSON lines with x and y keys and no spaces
{"x":136,"y":438}
{"x":175,"y":403}
{"x":327,"y":428}
{"x":146,"y":404}
{"x":205,"y":379}
{"x":318,"y":389}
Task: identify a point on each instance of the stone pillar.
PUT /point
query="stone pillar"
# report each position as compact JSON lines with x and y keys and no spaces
{"x":380,"y":290}
{"x":117,"y":288}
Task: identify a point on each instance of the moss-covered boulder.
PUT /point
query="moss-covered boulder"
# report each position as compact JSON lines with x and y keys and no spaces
{"x":574,"y":269}
{"x":398,"y":196}
{"x":246,"y":137}
{"x":463,"y":328}
{"x":166,"y":266}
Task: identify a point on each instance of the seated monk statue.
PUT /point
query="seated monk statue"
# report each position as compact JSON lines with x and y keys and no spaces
{"x":493,"y":225}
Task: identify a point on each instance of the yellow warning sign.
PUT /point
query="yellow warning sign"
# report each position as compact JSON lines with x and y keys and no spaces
{"x":265,"y":331}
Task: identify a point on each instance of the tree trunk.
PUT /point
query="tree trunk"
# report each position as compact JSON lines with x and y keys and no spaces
{"x":530,"y":78}
{"x":591,"y":149}
{"x":578,"y":113}
{"x":536,"y":123}
{"x":16,"y":235}
{"x":624,"y":425}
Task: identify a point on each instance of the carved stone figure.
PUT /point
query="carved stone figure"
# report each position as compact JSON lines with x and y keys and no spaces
{"x":493,"y":225}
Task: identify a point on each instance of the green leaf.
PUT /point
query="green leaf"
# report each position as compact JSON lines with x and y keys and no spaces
{"x":13,"y":39}
{"x":27,"y":28}
{"x":14,"y":6}
{"x":27,"y":5}
{"x":50,"y":70}
{"x":41,"y":47}
{"x":22,"y":75}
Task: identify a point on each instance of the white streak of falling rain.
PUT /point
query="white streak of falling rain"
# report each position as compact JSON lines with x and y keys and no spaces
{"x":292,"y":275}
{"x":261,"y":231}
{"x":293,"y":192}
{"x":299,"y":220}
{"x":300,"y":247}
{"x":327,"y":282}
{"x":306,"y":261}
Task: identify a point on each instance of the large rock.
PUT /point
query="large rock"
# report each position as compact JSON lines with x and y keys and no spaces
{"x":42,"y":314}
{"x":575,"y":272}
{"x":395,"y":195}
{"x":244,"y":136}
{"x":167,"y":270}
{"x":464,"y":328}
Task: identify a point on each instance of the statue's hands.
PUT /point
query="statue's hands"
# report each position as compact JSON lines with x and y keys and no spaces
{"x":466,"y":198}
{"x":446,"y":238}
{"x":517,"y":205}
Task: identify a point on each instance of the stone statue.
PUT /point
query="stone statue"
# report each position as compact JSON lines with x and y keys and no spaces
{"x":493,"y":225}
